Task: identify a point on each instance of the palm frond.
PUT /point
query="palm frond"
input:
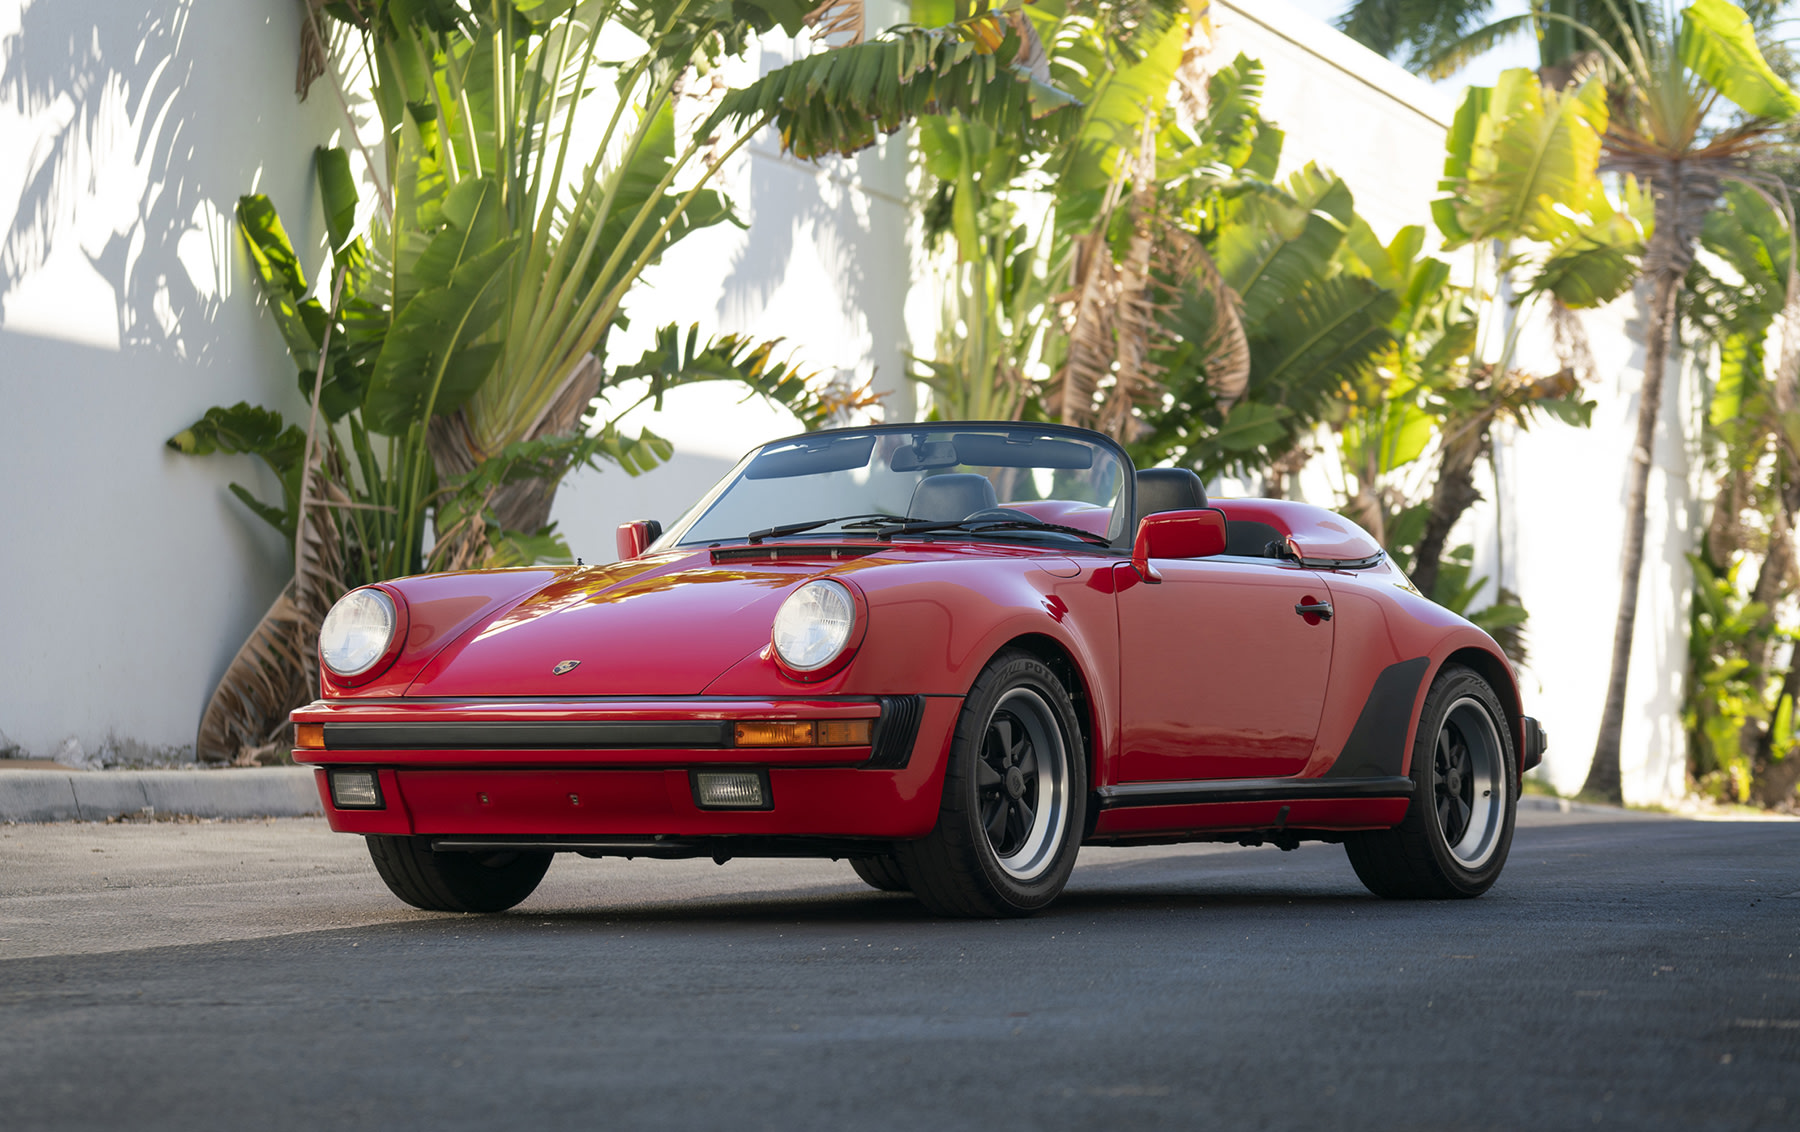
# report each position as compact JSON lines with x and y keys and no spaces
{"x":264,"y":681}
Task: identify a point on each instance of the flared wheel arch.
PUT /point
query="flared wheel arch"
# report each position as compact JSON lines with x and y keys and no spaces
{"x":1491,"y":667}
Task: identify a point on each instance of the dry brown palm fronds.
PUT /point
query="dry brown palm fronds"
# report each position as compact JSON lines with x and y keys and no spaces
{"x":1112,"y":318}
{"x":1108,"y":314}
{"x":312,"y":47}
{"x":1570,"y":342}
{"x":1196,"y":69}
{"x":1033,"y":57}
{"x":263,"y":682}
{"x":1227,"y":352}
{"x":840,"y":23}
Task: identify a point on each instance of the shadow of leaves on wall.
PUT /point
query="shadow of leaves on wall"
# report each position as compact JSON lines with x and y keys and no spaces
{"x":107,"y":87}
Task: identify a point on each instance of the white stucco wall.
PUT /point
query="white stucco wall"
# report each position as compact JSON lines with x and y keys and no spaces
{"x":1372,"y":122}
{"x":1556,"y":536}
{"x":129,"y":575}
{"x":128,"y":128}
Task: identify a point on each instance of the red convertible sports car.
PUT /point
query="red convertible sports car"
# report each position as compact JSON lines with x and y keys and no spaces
{"x":952,"y":653}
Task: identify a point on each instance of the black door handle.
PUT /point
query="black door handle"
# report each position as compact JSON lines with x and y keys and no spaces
{"x":1320,"y":609}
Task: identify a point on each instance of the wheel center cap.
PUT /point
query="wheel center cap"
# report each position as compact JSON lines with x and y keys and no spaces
{"x":1015,"y":782}
{"x":1455,"y":782}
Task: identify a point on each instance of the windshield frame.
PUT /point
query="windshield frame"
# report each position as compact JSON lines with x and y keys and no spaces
{"x":670,"y":539}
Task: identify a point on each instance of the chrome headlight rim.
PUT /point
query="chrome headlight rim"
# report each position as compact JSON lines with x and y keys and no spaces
{"x":813,"y":591}
{"x":378,"y":661}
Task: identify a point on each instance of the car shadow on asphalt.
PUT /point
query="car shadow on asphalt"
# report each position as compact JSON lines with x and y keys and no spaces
{"x":842,"y":909}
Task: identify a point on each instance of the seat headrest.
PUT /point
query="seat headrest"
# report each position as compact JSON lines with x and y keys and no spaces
{"x":952,"y":496}
{"x":1169,"y":489}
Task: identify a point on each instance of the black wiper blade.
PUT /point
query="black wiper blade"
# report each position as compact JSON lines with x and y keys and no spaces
{"x":979,"y":525}
{"x":755,"y":537}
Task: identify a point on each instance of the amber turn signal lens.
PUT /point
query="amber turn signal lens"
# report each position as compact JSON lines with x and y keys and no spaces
{"x":775,"y":733}
{"x":845,"y":732}
{"x":309,"y":736}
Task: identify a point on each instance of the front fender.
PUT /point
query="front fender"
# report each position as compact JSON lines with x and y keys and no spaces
{"x":933,"y":627}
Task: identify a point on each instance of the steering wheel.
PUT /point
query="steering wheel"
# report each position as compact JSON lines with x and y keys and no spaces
{"x":1002,"y":514}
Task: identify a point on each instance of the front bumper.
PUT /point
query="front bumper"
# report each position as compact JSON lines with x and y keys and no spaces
{"x":593,"y":772}
{"x":1537,"y":741}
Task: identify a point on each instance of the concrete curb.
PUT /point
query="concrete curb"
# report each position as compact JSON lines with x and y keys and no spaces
{"x":1565,"y":805}
{"x":261,"y":792}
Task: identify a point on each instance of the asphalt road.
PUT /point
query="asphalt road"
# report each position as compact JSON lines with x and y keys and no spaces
{"x":1626,"y":973}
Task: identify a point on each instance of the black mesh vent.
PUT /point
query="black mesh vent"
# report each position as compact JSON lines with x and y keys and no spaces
{"x":776,"y":553}
{"x":896,"y":732}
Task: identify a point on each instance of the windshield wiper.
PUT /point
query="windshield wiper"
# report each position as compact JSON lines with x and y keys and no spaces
{"x":755,"y":537}
{"x":979,"y":526}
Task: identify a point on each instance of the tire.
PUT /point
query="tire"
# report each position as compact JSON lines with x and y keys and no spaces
{"x":1015,"y":798}
{"x":1459,"y":827}
{"x":455,"y":882}
{"x":882,"y":873}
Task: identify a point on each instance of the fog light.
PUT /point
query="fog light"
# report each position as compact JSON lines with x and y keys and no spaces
{"x":731,"y":790}
{"x":355,"y":790}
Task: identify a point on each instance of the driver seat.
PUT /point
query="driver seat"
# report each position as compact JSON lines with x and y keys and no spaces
{"x":1169,"y":489}
{"x":950,"y":497}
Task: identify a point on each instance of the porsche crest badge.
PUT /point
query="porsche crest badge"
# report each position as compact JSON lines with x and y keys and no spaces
{"x":565,"y":666}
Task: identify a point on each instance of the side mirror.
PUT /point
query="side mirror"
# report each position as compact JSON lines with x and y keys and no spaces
{"x":1177,"y":534}
{"x":634,"y":538}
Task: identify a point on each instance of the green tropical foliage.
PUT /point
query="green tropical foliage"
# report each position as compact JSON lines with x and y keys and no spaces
{"x":452,"y":349}
{"x":1742,"y":678}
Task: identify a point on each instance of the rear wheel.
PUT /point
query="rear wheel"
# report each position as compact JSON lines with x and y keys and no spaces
{"x":455,"y":882}
{"x":1457,"y":831}
{"x":880,"y":873}
{"x":1015,"y":794}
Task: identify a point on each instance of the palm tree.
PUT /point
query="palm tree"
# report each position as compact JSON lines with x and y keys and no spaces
{"x":1673,"y":75}
{"x":1437,"y":37}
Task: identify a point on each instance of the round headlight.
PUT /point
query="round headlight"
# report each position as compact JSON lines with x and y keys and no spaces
{"x":813,"y":625}
{"x":357,"y":632}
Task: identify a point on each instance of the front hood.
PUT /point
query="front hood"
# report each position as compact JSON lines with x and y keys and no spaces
{"x":664,"y":626}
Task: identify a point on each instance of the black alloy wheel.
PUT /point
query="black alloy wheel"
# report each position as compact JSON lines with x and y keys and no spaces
{"x":1015,"y":798}
{"x":1455,"y":836}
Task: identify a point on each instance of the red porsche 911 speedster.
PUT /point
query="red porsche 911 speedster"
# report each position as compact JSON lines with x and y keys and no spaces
{"x":952,"y":653}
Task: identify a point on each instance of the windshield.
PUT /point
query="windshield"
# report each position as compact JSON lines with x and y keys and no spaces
{"x":1002,"y":481}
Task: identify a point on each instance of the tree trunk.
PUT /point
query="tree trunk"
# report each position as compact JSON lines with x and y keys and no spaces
{"x":1773,"y":781}
{"x":1603,"y":778}
{"x":523,"y":505}
{"x":1452,"y":494}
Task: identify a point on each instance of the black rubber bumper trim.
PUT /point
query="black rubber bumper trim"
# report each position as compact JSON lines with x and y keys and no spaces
{"x":896,"y":732}
{"x":1537,"y":741}
{"x":546,"y":735}
{"x":1251,"y":790}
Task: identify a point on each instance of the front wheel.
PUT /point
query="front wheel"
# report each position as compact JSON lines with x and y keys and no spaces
{"x":1015,"y":796}
{"x":455,"y":882}
{"x":880,"y":873}
{"x":1454,"y":839}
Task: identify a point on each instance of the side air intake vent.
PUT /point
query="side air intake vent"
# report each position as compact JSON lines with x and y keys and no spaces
{"x":896,"y":732}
